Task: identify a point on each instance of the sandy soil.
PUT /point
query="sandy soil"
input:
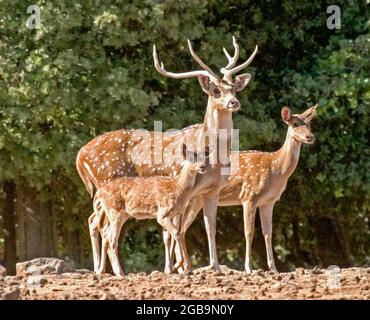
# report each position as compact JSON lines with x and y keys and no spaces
{"x":351,"y":283}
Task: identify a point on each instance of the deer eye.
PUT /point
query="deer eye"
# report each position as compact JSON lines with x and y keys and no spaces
{"x":295,"y":125}
{"x":217,"y":92}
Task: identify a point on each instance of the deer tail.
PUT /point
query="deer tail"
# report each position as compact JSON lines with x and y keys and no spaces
{"x":85,"y":176}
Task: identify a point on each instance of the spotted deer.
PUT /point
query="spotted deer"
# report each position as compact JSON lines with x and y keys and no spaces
{"x":117,"y":154}
{"x":258,"y":179}
{"x":157,"y":197}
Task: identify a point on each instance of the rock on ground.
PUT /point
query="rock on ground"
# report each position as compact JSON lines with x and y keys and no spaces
{"x":40,"y":266}
{"x":12,"y":294}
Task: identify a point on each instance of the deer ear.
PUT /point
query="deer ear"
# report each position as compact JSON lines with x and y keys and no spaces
{"x":241,"y":81}
{"x":204,"y":83}
{"x":310,"y":113}
{"x":285,"y":114}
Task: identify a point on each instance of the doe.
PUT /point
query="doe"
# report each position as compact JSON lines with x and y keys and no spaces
{"x":258,"y":179}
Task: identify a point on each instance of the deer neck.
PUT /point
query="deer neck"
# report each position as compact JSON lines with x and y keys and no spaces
{"x":214,"y":121}
{"x":184,"y":182}
{"x":288,"y":155}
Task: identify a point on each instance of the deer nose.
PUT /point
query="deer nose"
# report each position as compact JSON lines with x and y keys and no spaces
{"x":202,"y":168}
{"x":233,"y":104}
{"x":310,"y":138}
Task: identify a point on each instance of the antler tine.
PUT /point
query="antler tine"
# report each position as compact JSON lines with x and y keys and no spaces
{"x":234,"y":59}
{"x":180,"y":75}
{"x":228,"y":72}
{"x":201,"y":63}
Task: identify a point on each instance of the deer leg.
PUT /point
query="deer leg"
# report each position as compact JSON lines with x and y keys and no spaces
{"x":164,"y":218}
{"x":177,"y":221}
{"x":172,"y":251}
{"x":178,"y":240}
{"x":114,"y":232}
{"x":210,"y":214}
{"x":181,"y":243}
{"x":105,"y":223}
{"x":183,"y":262}
{"x":188,"y":218}
{"x":249,"y":210}
{"x":173,"y":246}
{"x":266,"y":222}
{"x":104,"y":248}
{"x":93,"y":222}
{"x":167,"y":239}
{"x":181,"y":255}
{"x":180,"y":260}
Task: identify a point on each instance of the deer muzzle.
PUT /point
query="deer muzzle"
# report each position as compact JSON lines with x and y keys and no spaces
{"x":310,"y":139}
{"x":202,"y":169}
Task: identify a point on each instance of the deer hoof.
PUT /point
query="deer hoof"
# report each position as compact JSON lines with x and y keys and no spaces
{"x":248,"y":270}
{"x":216,"y":267}
{"x":168,"y":270}
{"x":274,"y":270}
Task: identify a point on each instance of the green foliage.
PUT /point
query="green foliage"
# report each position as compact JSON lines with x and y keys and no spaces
{"x":89,"y":69}
{"x":141,"y":248}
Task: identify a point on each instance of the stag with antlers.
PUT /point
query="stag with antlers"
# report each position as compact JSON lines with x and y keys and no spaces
{"x":115,"y":154}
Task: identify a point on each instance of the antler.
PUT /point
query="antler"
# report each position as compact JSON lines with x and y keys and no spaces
{"x":201,"y":63}
{"x":234,"y":59}
{"x":229,"y":70}
{"x":181,"y":75}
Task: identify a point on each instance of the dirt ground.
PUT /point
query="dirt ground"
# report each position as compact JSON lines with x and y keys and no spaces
{"x":351,"y":283}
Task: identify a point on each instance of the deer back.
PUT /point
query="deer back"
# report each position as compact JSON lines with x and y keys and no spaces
{"x":122,"y":153}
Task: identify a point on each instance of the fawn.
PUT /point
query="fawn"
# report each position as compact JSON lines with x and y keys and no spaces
{"x":160,"y":197}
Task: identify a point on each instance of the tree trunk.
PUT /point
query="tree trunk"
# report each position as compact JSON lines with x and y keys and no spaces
{"x":46,"y":230}
{"x":34,"y":231}
{"x":54,"y":231}
{"x":341,"y":234}
{"x":10,"y":253}
{"x":73,"y":247}
{"x":330,"y":248}
{"x":296,"y":243}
